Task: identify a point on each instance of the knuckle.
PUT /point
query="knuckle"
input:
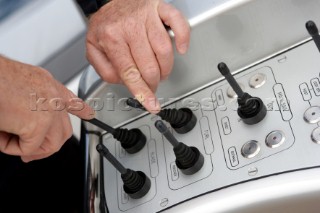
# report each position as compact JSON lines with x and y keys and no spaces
{"x":164,"y":49}
{"x":111,"y":33}
{"x":131,"y":76}
{"x":152,"y":72}
{"x":109,"y":77}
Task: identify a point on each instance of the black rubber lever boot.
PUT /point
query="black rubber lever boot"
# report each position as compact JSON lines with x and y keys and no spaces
{"x":135,"y":183}
{"x":181,"y":120}
{"x":132,"y":140}
{"x":188,"y":159}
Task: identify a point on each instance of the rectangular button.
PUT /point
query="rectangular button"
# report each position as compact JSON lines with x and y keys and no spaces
{"x":316,"y":86}
{"x":153,"y":159}
{"x":226,"y":125}
{"x":282,"y":102}
{"x":174,"y":171}
{"x":305,"y":92}
{"x":233,"y":156}
{"x":219,"y":97}
{"x":206,"y":135}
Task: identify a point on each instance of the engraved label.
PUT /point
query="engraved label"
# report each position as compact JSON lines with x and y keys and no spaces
{"x":153,"y":159}
{"x":124,"y":197}
{"x":226,"y":125}
{"x":233,"y":156}
{"x":305,"y":92}
{"x":316,"y":86}
{"x":219,"y":97}
{"x":282,"y":102}
{"x":174,"y":171}
{"x":206,"y":135}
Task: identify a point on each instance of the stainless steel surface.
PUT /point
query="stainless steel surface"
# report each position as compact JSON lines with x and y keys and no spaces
{"x":252,"y":37}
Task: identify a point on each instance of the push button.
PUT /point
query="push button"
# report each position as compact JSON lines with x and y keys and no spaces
{"x":257,"y":80}
{"x":250,"y":149}
{"x":315,"y":136}
{"x":312,"y":115}
{"x":231,"y":93}
{"x":275,"y":139}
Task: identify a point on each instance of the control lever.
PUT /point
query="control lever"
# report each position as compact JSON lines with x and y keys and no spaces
{"x":131,"y":140}
{"x":251,"y":109}
{"x":135,"y":183}
{"x":314,"y":32}
{"x":188,"y":159}
{"x":181,"y":120}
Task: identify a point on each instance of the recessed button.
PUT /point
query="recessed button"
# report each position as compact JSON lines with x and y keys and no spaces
{"x":250,"y":149}
{"x":312,"y":115}
{"x":257,"y":80}
{"x":315,"y":136}
{"x":275,"y":139}
{"x":231,"y":93}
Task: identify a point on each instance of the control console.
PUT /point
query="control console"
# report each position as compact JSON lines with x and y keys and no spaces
{"x":241,"y":108}
{"x":280,"y":136}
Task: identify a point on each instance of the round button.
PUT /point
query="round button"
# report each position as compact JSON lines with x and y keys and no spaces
{"x":231,"y":93}
{"x":250,"y":149}
{"x":315,"y":136}
{"x":257,"y":80}
{"x":312,"y":115}
{"x":275,"y":139}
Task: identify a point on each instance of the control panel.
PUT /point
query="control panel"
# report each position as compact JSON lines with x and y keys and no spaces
{"x":259,"y":122}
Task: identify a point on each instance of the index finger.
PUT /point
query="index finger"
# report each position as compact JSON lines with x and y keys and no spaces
{"x":122,"y":60}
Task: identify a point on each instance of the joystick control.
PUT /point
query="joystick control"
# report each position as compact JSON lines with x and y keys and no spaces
{"x":181,"y":120}
{"x":131,"y":140}
{"x":314,"y":32}
{"x":135,"y":183}
{"x":188,"y":159}
{"x":251,"y":109}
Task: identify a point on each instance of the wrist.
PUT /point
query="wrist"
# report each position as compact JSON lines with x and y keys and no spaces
{"x":89,"y":7}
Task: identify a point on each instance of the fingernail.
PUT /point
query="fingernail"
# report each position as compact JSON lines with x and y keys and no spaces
{"x":154,"y":105}
{"x":140,"y":98}
{"x":183,"y":48}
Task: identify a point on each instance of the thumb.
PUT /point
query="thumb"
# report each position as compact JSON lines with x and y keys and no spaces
{"x":75,"y":105}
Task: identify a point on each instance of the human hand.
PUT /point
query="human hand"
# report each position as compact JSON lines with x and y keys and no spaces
{"x":127,"y":43}
{"x":34,"y":110}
